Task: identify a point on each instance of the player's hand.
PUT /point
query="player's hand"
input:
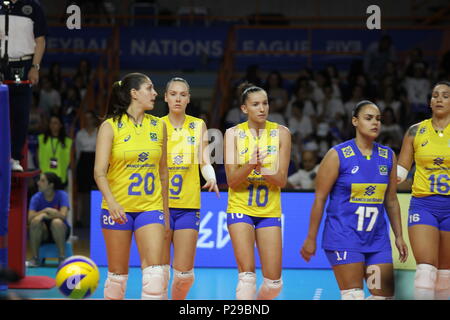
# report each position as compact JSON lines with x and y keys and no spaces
{"x":211,"y":185}
{"x":117,"y":213}
{"x":402,"y":249}
{"x":308,"y":250}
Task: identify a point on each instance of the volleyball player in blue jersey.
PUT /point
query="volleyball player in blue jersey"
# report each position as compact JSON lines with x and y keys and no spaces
{"x":360,"y":178}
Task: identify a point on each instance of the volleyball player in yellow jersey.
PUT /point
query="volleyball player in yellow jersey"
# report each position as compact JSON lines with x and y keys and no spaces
{"x":187,"y":147}
{"x":257,"y":154}
{"x":131,"y":172}
{"x":428,"y":144}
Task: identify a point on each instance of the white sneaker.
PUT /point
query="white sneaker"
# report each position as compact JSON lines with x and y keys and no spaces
{"x":15,"y":165}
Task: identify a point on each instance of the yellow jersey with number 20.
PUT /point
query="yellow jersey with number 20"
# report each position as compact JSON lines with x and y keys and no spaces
{"x":133,"y":173}
{"x":432,"y":157}
{"x":255,"y":196}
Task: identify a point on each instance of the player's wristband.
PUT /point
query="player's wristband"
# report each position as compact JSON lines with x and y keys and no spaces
{"x":402,"y":173}
{"x":208,"y":172}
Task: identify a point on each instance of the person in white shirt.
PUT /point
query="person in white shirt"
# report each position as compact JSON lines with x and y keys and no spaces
{"x":304,"y":179}
{"x":49,"y":98}
{"x":85,"y":142}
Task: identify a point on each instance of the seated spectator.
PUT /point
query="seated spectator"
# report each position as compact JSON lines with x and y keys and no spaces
{"x":299,"y":123}
{"x":389,"y":100}
{"x":47,"y":217}
{"x":391,"y":133}
{"x":278,"y":95}
{"x":275,"y":116}
{"x":301,"y":96}
{"x":304,"y":179}
{"x":252,"y":75}
{"x":356,"y":96}
{"x":235,"y":114}
{"x":417,"y":87}
{"x":331,"y":109}
{"x":49,"y":97}
{"x":378,"y":54}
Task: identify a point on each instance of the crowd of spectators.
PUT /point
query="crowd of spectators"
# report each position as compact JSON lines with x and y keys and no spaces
{"x":317,"y":105}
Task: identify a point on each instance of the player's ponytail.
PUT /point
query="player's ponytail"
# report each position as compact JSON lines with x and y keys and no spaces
{"x":120,"y":98}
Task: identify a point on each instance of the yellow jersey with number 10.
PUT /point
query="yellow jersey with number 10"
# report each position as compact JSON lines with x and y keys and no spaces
{"x":183,"y":145}
{"x":133,"y":173}
{"x":255,"y":196}
{"x":432,"y":157}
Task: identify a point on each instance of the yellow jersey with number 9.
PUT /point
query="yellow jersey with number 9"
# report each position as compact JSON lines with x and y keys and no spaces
{"x":183,"y":145}
{"x":133,"y":173}
{"x":255,"y":196}
{"x":432,"y":157}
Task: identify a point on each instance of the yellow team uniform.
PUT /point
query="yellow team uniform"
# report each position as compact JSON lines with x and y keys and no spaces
{"x":432,"y":157}
{"x":133,"y":173}
{"x":256,"y":197}
{"x":183,"y":145}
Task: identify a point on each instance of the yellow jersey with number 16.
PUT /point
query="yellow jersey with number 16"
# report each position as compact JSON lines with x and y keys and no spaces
{"x":432,"y":157}
{"x":183,"y":145}
{"x":255,"y":196}
{"x":133,"y":173}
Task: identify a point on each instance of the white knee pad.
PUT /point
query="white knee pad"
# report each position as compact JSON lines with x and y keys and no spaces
{"x":115,"y":286}
{"x":425,"y":282}
{"x":246,"y":287}
{"x":379,"y":298}
{"x":270,"y":289}
{"x":166,"y":269}
{"x":442,"y":285}
{"x":153,"y":283}
{"x":182,"y":282}
{"x":352,"y":294}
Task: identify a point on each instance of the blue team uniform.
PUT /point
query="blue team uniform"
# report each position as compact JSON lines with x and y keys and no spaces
{"x":355,"y":226}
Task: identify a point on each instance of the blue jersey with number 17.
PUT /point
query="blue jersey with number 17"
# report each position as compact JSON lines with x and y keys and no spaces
{"x":355,"y":213}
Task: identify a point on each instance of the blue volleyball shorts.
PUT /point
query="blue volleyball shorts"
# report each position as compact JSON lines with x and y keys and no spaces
{"x":257,"y":222}
{"x":135,"y":221}
{"x":340,"y":257}
{"x":184,"y":219}
{"x":432,"y":211}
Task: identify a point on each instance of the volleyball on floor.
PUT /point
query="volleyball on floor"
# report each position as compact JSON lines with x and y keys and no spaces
{"x":77,"y":277}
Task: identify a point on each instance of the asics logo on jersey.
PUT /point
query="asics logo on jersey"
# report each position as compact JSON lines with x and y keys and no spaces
{"x":244,"y":151}
{"x":438,"y":161}
{"x":424,"y":143}
{"x":370,"y":190}
{"x":355,"y":169}
{"x":127,"y":138}
{"x":143,"y":157}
